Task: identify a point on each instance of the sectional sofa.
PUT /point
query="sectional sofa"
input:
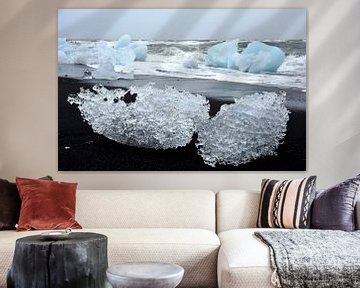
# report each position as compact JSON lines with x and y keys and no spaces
{"x":210,"y":235}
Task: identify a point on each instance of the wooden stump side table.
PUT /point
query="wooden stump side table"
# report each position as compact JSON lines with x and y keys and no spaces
{"x":78,"y":261}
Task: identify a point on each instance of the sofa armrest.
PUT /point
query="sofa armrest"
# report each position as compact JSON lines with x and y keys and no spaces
{"x":357,"y":215}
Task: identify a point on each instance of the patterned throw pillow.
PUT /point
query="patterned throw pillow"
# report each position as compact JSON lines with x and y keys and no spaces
{"x":286,"y":204}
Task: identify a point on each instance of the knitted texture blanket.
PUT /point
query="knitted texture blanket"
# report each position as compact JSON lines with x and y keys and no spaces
{"x":313,"y":258}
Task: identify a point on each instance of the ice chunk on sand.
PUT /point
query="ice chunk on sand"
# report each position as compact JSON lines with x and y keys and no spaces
{"x":244,"y":131}
{"x":258,"y":57}
{"x":140,"y":50}
{"x":106,"y":71}
{"x":219,"y":54}
{"x":158,"y":118}
{"x":85,"y":56}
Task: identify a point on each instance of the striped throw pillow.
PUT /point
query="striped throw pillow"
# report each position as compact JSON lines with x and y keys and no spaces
{"x":286,"y":204}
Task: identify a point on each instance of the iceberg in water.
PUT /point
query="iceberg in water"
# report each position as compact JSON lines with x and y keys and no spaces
{"x":127,"y":52}
{"x":106,"y":71}
{"x":220,"y":54}
{"x":140,"y":50}
{"x":157,"y":118}
{"x":241,"y":132}
{"x":124,"y":56}
{"x":123,"y":41}
{"x":257,"y":57}
{"x":122,"y":53}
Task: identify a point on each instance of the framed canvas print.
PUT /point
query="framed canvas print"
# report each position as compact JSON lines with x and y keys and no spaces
{"x":182,"y":89}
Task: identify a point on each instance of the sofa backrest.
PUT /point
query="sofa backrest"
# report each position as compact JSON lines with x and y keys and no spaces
{"x":236,"y":209}
{"x":146,"y":209}
{"x":239,"y":209}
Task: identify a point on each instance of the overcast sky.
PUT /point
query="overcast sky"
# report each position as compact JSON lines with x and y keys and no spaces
{"x":183,"y":24}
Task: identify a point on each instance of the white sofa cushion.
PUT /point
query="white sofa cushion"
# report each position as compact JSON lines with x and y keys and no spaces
{"x":194,"y":249}
{"x":236,"y":209}
{"x":244,"y":261}
{"x":146,"y":209}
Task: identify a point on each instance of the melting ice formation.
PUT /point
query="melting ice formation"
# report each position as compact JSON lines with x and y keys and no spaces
{"x":159,"y":118}
{"x":257,"y":57}
{"x":244,"y":131}
{"x":123,"y":53}
{"x":167,"y":118}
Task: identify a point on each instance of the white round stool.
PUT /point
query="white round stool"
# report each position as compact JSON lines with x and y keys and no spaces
{"x":145,"y":275}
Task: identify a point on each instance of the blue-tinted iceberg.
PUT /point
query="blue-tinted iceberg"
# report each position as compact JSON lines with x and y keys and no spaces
{"x":105,"y":53}
{"x":140,"y":50}
{"x":123,"y":52}
{"x":159,"y":118}
{"x":244,"y":131}
{"x":123,"y":41}
{"x":220,"y":54}
{"x":124,"y":56}
{"x":257,"y":57}
{"x":127,"y":52}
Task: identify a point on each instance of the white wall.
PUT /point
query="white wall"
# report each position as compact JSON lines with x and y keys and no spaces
{"x":28,"y":95}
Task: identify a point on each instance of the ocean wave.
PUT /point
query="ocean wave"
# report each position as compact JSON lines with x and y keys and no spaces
{"x":293,"y":65}
{"x":182,"y":43}
{"x":168,"y":58}
{"x":176,"y":69}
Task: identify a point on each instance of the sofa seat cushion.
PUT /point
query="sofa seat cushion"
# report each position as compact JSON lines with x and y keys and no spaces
{"x":244,"y":261}
{"x":194,"y":249}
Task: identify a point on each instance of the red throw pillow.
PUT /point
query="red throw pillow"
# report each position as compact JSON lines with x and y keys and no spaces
{"x":46,"y":204}
{"x":10,"y":204}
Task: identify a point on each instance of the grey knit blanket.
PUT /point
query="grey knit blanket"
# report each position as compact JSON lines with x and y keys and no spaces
{"x":313,"y":258}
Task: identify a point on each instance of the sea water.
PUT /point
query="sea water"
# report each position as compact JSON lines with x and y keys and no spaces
{"x":188,"y":59}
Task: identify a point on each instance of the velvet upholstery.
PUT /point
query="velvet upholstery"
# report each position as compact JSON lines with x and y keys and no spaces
{"x":334,"y":208}
{"x":10,"y":204}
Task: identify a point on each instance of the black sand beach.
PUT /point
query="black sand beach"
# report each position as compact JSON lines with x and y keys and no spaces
{"x":80,"y":149}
